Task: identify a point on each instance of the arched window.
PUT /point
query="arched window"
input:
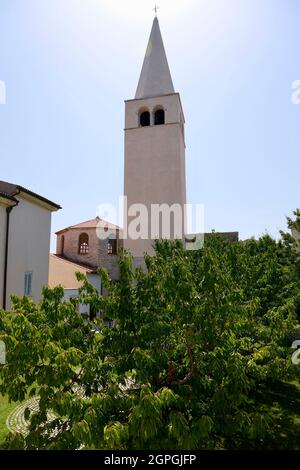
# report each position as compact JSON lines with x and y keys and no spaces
{"x":83,"y":244}
{"x":145,"y":119}
{"x":159,"y":117}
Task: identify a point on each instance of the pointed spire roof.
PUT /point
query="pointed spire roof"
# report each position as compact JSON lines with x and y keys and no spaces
{"x":155,"y":79}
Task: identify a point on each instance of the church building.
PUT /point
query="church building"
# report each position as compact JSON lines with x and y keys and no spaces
{"x":154,"y":176}
{"x":154,"y":151}
{"x":88,"y":245}
{"x":25,"y":227}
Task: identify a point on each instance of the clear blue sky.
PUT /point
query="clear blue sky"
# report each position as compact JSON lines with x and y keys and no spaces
{"x":68,"y":66}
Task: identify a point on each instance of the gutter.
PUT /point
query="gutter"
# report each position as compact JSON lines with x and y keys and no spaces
{"x":8,"y":211}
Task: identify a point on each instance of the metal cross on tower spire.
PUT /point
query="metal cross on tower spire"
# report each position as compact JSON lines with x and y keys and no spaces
{"x":156,"y":8}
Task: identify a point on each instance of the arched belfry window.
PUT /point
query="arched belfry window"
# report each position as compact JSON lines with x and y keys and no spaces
{"x":144,"y":119}
{"x":83,"y":244}
{"x":159,"y":117}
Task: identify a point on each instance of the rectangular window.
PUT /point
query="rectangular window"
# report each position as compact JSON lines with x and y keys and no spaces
{"x":112,"y":247}
{"x":27,"y":283}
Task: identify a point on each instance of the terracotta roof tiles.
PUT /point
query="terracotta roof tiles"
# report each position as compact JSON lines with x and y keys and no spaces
{"x":89,"y":224}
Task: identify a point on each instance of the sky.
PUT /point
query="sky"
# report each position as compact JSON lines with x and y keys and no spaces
{"x":68,"y":66}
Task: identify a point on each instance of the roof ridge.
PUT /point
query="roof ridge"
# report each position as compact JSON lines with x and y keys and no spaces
{"x":15,"y":189}
{"x":85,"y":223}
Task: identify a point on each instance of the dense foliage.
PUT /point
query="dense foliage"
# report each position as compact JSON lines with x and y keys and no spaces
{"x":199,"y":339}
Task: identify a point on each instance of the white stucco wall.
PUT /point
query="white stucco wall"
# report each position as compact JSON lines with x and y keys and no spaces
{"x":93,"y":279}
{"x":154,"y":162}
{"x":72,"y":294}
{"x":296,"y":234}
{"x":29,"y":243}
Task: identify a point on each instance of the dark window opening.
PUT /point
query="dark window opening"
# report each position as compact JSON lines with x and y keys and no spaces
{"x":83,"y":244}
{"x":159,"y":117}
{"x":145,"y":119}
{"x":93,"y":313}
{"x":112,"y":247}
{"x":28,"y":284}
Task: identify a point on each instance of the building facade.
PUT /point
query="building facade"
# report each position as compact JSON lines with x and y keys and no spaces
{"x":154,"y":152}
{"x":154,"y":174}
{"x":295,"y":234}
{"x":25,"y":226}
{"x":85,"y":248}
{"x":93,"y":243}
{"x":63,"y":273}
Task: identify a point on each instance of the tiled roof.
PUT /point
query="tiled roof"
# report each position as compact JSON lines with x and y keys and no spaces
{"x":229,"y":236}
{"x":93,"y":223}
{"x":62,"y":272}
{"x":14,"y":189}
{"x":8,"y":196}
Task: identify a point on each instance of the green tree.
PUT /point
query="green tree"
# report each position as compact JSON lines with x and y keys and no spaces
{"x":295,"y":224}
{"x":199,"y":338}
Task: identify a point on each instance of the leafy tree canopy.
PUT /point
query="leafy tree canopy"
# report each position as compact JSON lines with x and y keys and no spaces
{"x":198,"y":339}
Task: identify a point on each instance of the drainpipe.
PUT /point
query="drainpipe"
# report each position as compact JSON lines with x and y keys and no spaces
{"x":8,"y":211}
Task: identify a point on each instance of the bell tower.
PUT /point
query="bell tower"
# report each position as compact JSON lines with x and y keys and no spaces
{"x":154,"y":146}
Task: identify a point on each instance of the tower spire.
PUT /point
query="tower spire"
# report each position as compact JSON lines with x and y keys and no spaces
{"x":155,"y":78}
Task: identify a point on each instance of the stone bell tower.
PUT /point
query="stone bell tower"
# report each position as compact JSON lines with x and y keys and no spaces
{"x":154,"y":146}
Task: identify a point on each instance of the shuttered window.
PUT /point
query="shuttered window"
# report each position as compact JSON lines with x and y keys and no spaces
{"x":27,"y":283}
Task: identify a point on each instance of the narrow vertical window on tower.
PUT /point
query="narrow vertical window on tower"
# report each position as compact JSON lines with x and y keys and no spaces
{"x":144,"y":118}
{"x":83,"y":244}
{"x":62,"y":244}
{"x":112,"y":246}
{"x":28,"y":283}
{"x":159,"y":117}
